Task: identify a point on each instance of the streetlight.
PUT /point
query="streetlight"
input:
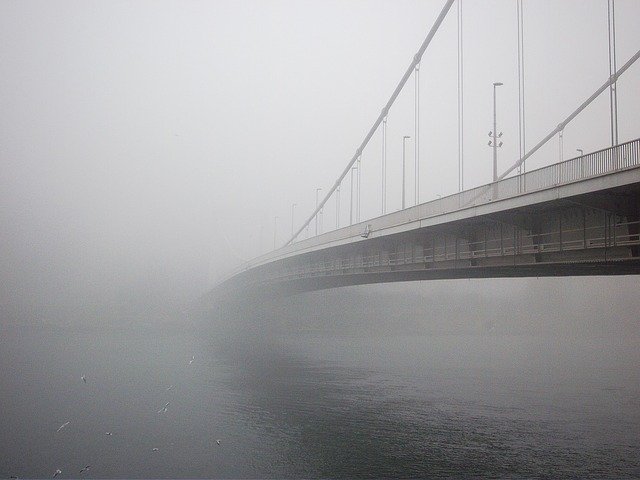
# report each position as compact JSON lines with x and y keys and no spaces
{"x":338,"y":207}
{"x":351,"y":198}
{"x":579,"y":150}
{"x":292,"y":208}
{"x":494,"y":134}
{"x":317,"y":190}
{"x":384,"y":165}
{"x":404,"y":139}
{"x":275,"y":229}
{"x":358,"y":188}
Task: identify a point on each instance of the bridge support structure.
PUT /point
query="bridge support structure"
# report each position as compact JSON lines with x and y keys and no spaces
{"x":579,"y":217}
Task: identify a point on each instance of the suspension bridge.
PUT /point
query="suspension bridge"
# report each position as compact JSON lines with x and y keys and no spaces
{"x":579,"y":216}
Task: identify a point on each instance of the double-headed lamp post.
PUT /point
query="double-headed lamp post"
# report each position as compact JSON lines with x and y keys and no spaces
{"x":317,"y":190}
{"x":404,"y":149}
{"x":495,"y":134}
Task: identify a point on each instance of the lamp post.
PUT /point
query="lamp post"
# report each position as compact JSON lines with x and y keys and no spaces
{"x":495,"y":134}
{"x":351,"y":199}
{"x":404,"y":148}
{"x":293,"y":206}
{"x":338,"y":207}
{"x":358,"y":189}
{"x":317,"y":190}
{"x":384,"y":165}
{"x":275,"y":229}
{"x":581,"y":152}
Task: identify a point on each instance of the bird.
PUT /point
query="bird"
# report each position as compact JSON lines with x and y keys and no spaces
{"x":164,"y":409}
{"x":58,"y":472}
{"x":218,"y":442}
{"x":84,"y":379}
{"x":192,"y":359}
{"x":108,"y":433}
{"x":85,"y":469}
{"x":154,"y":449}
{"x":170,"y":387}
{"x":62,"y":426}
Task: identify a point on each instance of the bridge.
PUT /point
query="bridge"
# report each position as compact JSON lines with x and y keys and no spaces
{"x":575,"y":217}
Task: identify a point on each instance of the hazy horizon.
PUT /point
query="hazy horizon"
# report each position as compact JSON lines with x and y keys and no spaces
{"x":146,"y":147}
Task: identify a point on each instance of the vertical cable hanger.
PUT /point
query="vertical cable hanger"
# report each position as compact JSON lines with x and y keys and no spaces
{"x":522,"y":147}
{"x":460,"y":103}
{"x":613,"y":93}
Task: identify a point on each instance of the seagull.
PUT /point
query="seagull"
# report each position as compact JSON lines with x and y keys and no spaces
{"x":84,"y":379}
{"x":164,"y":409}
{"x":62,"y":426}
{"x":170,"y":387}
{"x":192,"y":359}
{"x":58,"y":472}
{"x":108,"y":433}
{"x":154,"y":449}
{"x":85,"y":468}
{"x":218,"y":442}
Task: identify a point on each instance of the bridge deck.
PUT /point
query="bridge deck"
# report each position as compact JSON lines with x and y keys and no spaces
{"x":564,"y":218}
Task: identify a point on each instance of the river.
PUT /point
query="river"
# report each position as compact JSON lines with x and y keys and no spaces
{"x":316,"y":405}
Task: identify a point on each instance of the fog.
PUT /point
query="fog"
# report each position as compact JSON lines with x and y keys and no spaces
{"x":146,"y":147}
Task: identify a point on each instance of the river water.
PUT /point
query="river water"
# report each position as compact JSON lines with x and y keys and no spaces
{"x":317,"y":405}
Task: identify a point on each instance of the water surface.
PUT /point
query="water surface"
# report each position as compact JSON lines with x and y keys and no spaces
{"x":317,"y":405}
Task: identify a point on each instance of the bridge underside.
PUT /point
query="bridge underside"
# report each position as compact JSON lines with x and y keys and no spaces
{"x":551,"y":269}
{"x":589,"y":234}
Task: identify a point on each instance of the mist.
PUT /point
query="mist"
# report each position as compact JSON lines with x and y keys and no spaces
{"x":149,"y":148}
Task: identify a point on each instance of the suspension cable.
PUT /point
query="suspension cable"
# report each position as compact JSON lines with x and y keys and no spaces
{"x":584,"y":105}
{"x":416,"y":59}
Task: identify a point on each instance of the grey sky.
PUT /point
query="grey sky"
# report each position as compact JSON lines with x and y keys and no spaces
{"x":146,"y":146}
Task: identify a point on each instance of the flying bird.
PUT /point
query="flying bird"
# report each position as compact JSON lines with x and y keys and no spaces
{"x":85,"y":469}
{"x":108,"y":433}
{"x":84,"y":379}
{"x":218,"y":442}
{"x":62,"y":426}
{"x":154,"y":449}
{"x":164,"y":409}
{"x":192,"y":359}
{"x":58,"y":472}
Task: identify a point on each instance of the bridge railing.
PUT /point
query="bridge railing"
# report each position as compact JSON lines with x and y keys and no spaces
{"x":592,"y":164}
{"x":609,"y":234}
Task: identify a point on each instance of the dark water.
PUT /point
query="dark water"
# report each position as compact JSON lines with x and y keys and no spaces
{"x":318,"y":405}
